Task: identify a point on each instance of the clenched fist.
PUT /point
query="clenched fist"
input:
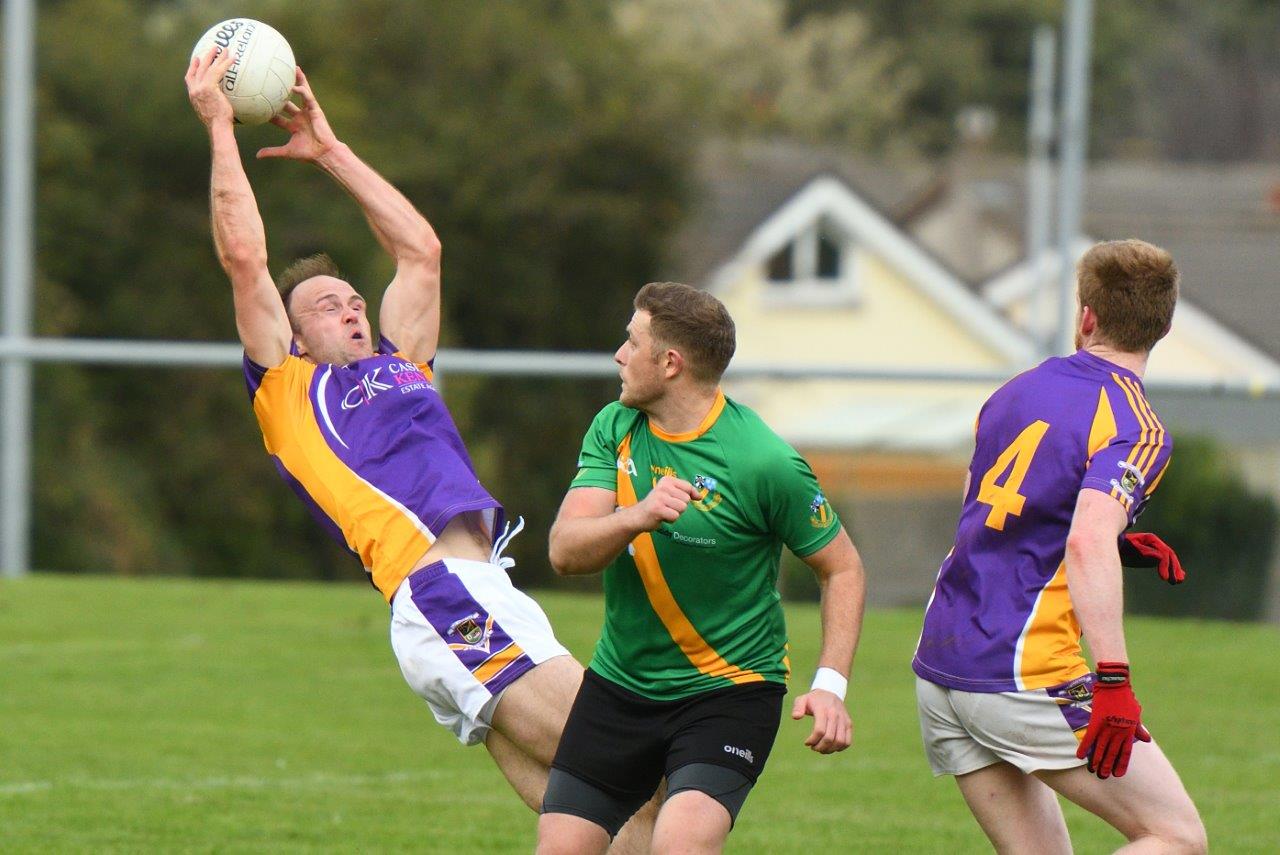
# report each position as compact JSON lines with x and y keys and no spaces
{"x":665,"y":503}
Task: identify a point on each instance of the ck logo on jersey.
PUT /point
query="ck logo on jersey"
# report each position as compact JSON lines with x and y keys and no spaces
{"x":405,"y":376}
{"x":366,"y":390}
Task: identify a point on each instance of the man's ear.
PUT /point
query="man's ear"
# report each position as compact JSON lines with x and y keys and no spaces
{"x":1088,"y":321}
{"x":673,"y":364}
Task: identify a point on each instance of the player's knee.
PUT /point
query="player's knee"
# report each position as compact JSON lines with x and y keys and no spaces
{"x":1183,"y":835}
{"x":1190,"y":838}
{"x":691,"y":821}
{"x":562,"y":834}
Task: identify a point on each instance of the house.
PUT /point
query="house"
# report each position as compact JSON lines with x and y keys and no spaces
{"x":829,"y":260}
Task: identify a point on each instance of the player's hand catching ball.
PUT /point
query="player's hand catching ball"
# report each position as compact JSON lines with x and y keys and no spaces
{"x":204,"y":87}
{"x":665,"y":502}
{"x":832,"y":726}
{"x":310,"y":137}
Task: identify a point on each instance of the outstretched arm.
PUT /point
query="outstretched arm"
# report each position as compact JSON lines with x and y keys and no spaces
{"x":410,"y":314}
{"x":838,"y":568}
{"x":238,"y":234}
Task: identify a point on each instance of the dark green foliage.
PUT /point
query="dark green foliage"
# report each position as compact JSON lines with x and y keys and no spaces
{"x":1224,"y":533}
{"x":1183,"y":79}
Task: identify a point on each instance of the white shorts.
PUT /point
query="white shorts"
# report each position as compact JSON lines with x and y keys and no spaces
{"x":462,"y":634}
{"x":1037,"y":729}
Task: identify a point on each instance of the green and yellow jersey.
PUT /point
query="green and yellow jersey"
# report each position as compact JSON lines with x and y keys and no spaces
{"x":694,"y":606}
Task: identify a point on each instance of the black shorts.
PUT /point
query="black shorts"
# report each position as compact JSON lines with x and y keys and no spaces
{"x":624,"y":743}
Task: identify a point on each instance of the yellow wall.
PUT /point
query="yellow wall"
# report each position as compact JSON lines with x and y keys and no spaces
{"x":892,"y":324}
{"x":1180,"y":355}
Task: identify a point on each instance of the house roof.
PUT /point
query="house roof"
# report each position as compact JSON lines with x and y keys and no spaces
{"x":828,"y":196}
{"x":741,"y":182}
{"x":1221,"y":222}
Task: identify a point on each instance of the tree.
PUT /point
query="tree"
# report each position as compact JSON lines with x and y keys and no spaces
{"x":1224,"y":533}
{"x":1171,"y":78}
{"x":824,"y":79}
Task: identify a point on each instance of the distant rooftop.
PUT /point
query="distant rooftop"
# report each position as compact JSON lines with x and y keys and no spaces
{"x":1220,"y":221}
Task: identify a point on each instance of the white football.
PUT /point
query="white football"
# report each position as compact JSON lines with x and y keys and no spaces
{"x":262,"y":73}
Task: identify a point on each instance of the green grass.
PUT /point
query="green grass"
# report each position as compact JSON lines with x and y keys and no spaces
{"x":227,"y":717}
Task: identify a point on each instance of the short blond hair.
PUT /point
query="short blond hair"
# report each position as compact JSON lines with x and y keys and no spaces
{"x":1132,"y":287}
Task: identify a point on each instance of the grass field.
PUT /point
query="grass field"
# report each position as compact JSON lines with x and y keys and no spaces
{"x":226,"y":717}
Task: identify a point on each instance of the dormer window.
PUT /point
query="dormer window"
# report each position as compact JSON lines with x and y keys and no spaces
{"x":817,"y":265}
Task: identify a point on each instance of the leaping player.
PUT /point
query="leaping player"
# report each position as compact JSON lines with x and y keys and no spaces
{"x":357,"y":430}
{"x":1066,"y":456}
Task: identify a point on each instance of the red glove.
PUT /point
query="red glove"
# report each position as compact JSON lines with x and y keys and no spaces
{"x":1113,"y":722}
{"x":1144,"y":549}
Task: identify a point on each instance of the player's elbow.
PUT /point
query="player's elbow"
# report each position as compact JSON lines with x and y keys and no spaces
{"x":561,"y":559}
{"x":565,"y":560}
{"x":423,"y":247}
{"x":1084,"y":545}
{"x":242,"y":258}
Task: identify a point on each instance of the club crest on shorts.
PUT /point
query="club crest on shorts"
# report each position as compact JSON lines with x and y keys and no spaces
{"x":474,"y":635}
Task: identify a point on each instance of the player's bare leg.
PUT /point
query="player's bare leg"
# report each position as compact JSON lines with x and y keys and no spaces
{"x":526,"y":730}
{"x":566,"y":834}
{"x":526,"y":776}
{"x":691,"y":823}
{"x":1016,"y":811}
{"x":533,"y":709}
{"x":1149,"y":805}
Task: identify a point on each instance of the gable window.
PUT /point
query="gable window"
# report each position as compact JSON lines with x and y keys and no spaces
{"x":815,"y":266}
{"x":781,"y":264}
{"x":828,"y":257}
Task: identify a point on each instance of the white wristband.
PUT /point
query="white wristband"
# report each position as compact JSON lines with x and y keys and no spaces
{"x":830,"y":680}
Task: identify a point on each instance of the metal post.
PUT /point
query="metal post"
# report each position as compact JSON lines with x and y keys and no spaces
{"x":1074,"y":129}
{"x":1040,"y":187}
{"x":18,"y":251}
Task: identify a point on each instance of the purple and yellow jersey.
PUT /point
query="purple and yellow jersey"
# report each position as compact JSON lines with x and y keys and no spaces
{"x":371,"y":449}
{"x":1000,"y":618}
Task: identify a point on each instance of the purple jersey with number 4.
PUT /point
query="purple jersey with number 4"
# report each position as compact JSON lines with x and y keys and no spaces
{"x":1000,"y":618}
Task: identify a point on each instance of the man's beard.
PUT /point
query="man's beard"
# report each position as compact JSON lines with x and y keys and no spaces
{"x":635,"y":398}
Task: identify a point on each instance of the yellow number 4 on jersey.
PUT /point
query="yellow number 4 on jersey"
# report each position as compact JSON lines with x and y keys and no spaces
{"x":1005,"y":499}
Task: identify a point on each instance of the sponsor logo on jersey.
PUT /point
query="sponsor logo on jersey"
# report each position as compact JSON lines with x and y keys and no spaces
{"x":693,"y":540}
{"x":626,"y":464}
{"x":404,"y":376}
{"x":820,"y":513}
{"x":474,"y":635}
{"x":744,"y":753}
